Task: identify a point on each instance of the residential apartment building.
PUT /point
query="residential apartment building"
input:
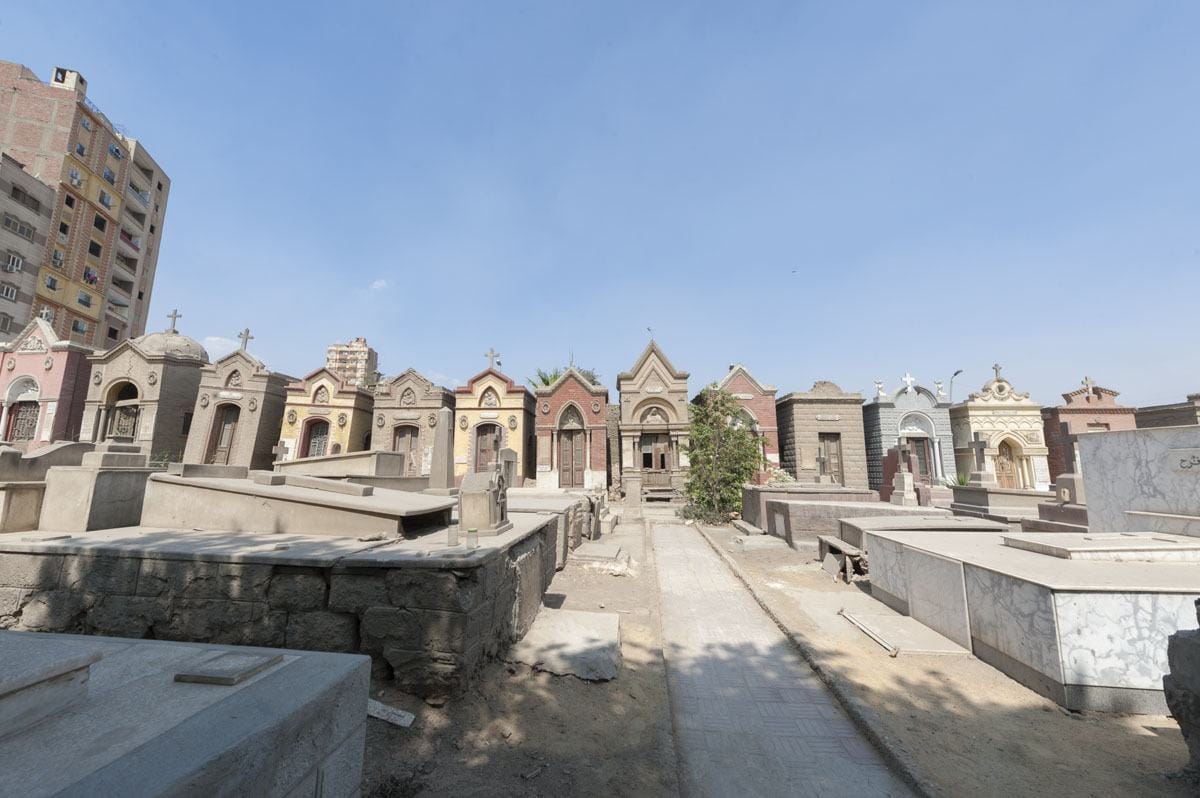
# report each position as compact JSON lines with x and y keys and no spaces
{"x":26,"y":205}
{"x":97,"y":273}
{"x":355,"y":362}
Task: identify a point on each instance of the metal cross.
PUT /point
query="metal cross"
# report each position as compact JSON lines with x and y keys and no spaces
{"x":246,"y":338}
{"x":979,"y":445}
{"x":996,"y":368}
{"x":1088,"y":383}
{"x":908,"y":381}
{"x":491,"y":355}
{"x":174,"y":316}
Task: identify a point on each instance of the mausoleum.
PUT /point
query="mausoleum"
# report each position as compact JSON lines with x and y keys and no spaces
{"x":572,"y":448}
{"x":821,"y":435}
{"x":1086,"y":409}
{"x":655,"y":421}
{"x":406,"y":417}
{"x":493,"y":413}
{"x":1010,"y":424}
{"x":916,"y":416}
{"x":325,"y":415}
{"x":757,"y":401}
{"x":44,"y":382}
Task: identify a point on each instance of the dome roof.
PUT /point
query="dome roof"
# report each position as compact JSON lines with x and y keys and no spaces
{"x":172,"y":344}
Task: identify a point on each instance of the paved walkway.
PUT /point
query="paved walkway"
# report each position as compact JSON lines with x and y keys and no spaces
{"x":751,"y":718}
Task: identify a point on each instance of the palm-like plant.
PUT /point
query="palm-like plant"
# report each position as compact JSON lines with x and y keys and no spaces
{"x":545,"y":377}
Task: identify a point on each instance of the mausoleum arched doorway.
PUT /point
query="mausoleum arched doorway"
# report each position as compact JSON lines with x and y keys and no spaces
{"x":1008,"y":463}
{"x":572,"y":448}
{"x":315,"y":441}
{"x":21,"y":410}
{"x":121,"y":412}
{"x":916,"y":430}
{"x":404,"y":441}
{"x":223,"y":433}
{"x":488,"y":440}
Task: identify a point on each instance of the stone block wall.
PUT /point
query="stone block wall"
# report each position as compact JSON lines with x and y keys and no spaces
{"x":1176,"y":415}
{"x":800,"y":426}
{"x":429,"y":629}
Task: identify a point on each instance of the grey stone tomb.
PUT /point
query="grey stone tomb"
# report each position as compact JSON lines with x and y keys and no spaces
{"x":483,"y":501}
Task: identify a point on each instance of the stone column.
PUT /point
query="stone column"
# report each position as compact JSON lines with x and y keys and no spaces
{"x":102,"y":430}
{"x":939,"y":470}
{"x":4,"y":423}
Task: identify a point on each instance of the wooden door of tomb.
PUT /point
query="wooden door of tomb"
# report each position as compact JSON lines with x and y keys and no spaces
{"x":23,"y":425}
{"x":224,"y":430}
{"x":317,"y":439}
{"x":921,"y":448}
{"x":487,"y":446}
{"x":831,"y":446}
{"x":1006,"y":466}
{"x":404,"y":440}
{"x":571,"y":458}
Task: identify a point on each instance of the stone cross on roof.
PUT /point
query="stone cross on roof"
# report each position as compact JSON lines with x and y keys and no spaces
{"x":996,"y":368}
{"x":908,"y":381}
{"x":879,"y":389}
{"x":979,"y":446}
{"x":174,"y":316}
{"x":1088,"y":383}
{"x":246,"y":338}
{"x":492,"y":355}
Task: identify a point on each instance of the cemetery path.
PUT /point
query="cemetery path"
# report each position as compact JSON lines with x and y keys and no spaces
{"x":750,"y":716}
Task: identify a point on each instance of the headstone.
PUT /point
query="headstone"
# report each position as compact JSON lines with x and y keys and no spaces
{"x":441,"y":470}
{"x":981,"y":477}
{"x":483,"y":502}
{"x":904,"y":489}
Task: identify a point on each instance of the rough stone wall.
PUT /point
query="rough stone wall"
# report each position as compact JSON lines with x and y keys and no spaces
{"x":429,"y":629}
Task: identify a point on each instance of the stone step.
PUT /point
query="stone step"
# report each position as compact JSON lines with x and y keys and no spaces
{"x":40,"y":678}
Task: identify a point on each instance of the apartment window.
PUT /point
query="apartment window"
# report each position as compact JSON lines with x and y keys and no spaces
{"x":160,"y":186}
{"x":152,"y":229}
{"x":105,"y":199}
{"x":79,"y":326}
{"x":141,"y":295}
{"x":64,"y":230}
{"x":115,"y":151}
{"x":46,"y":314}
{"x":51,"y":283}
{"x":22,"y":196}
{"x":5,"y":322}
{"x":110,"y":176}
{"x":8,"y":291}
{"x":112,"y":333}
{"x":75,"y":178}
{"x":94,"y":249}
{"x":89,"y":276}
{"x":80,"y":150}
{"x":17,"y":226}
{"x":13,"y":262}
{"x":57,"y":258}
{"x":87,"y":123}
{"x":69,"y":201}
{"x":187,"y":424}
{"x":85,"y":299}
{"x":100,"y":223}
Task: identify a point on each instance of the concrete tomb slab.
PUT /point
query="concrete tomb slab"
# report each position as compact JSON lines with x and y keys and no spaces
{"x":228,"y":668}
{"x":1122,"y":547}
{"x":135,"y":730}
{"x":852,"y":530}
{"x":796,"y":521}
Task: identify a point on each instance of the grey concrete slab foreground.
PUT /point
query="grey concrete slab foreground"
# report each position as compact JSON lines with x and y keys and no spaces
{"x":751,"y":717}
{"x":572,"y":643}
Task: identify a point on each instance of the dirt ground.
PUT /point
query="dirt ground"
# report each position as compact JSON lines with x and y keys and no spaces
{"x":522,"y":732}
{"x":961,"y":726}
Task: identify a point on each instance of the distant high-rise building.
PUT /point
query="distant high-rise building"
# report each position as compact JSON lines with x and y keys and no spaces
{"x":25,"y":209}
{"x":355,"y":362}
{"x":102,"y":245}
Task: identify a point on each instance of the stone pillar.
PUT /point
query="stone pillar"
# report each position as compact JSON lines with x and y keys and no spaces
{"x":4,"y":423}
{"x":939,"y":471}
{"x":441,"y":471}
{"x":102,"y":429}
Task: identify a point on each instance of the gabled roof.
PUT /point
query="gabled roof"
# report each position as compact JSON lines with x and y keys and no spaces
{"x":736,"y":369}
{"x":571,"y":371}
{"x":42,"y":329}
{"x":652,"y":348}
{"x":250,"y":360}
{"x":510,"y":386}
{"x":341,"y":385}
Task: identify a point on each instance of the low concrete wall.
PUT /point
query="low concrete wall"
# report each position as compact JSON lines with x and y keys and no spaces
{"x":804,"y":520}
{"x":356,"y":464}
{"x":83,"y":499}
{"x":18,"y":467}
{"x":998,"y":504}
{"x":20,"y":505}
{"x":428,"y":627}
{"x":409,"y":484}
{"x":755,"y":497}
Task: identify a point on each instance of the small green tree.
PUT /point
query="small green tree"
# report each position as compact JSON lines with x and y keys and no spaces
{"x":724,"y":452}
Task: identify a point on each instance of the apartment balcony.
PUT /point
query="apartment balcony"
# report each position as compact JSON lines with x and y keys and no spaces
{"x":133,"y":242}
{"x":142,"y":197}
{"x":123,"y":270}
{"x":117,"y":308}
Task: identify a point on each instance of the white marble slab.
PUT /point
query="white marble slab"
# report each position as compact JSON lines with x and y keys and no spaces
{"x":1119,"y":639}
{"x":1139,"y":470}
{"x":936,"y":596}
{"x":887,"y":565}
{"x":1015,"y":618}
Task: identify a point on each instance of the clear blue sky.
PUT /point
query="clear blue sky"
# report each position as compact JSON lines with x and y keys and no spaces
{"x":838,"y":191}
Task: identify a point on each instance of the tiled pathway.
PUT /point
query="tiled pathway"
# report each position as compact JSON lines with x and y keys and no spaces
{"x":751,"y":718}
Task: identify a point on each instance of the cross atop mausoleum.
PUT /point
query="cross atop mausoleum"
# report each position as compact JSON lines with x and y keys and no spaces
{"x":908,"y":381}
{"x":174,"y":316}
{"x":1088,"y":383}
{"x":492,"y":355}
{"x":996,"y":368}
{"x":246,"y":338}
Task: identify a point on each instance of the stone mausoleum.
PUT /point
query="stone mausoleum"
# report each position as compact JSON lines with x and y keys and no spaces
{"x":238,"y":412}
{"x":821,"y":435}
{"x":325,"y":415}
{"x":1176,"y":414}
{"x":572,"y":447}
{"x":654,"y":426}
{"x":143,"y":392}
{"x":758,"y":403}
{"x":406,"y":417}
{"x":1011,"y":425}
{"x":493,"y":413}
{"x":44,"y":382}
{"x":1086,"y":409}
{"x":916,"y":416}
